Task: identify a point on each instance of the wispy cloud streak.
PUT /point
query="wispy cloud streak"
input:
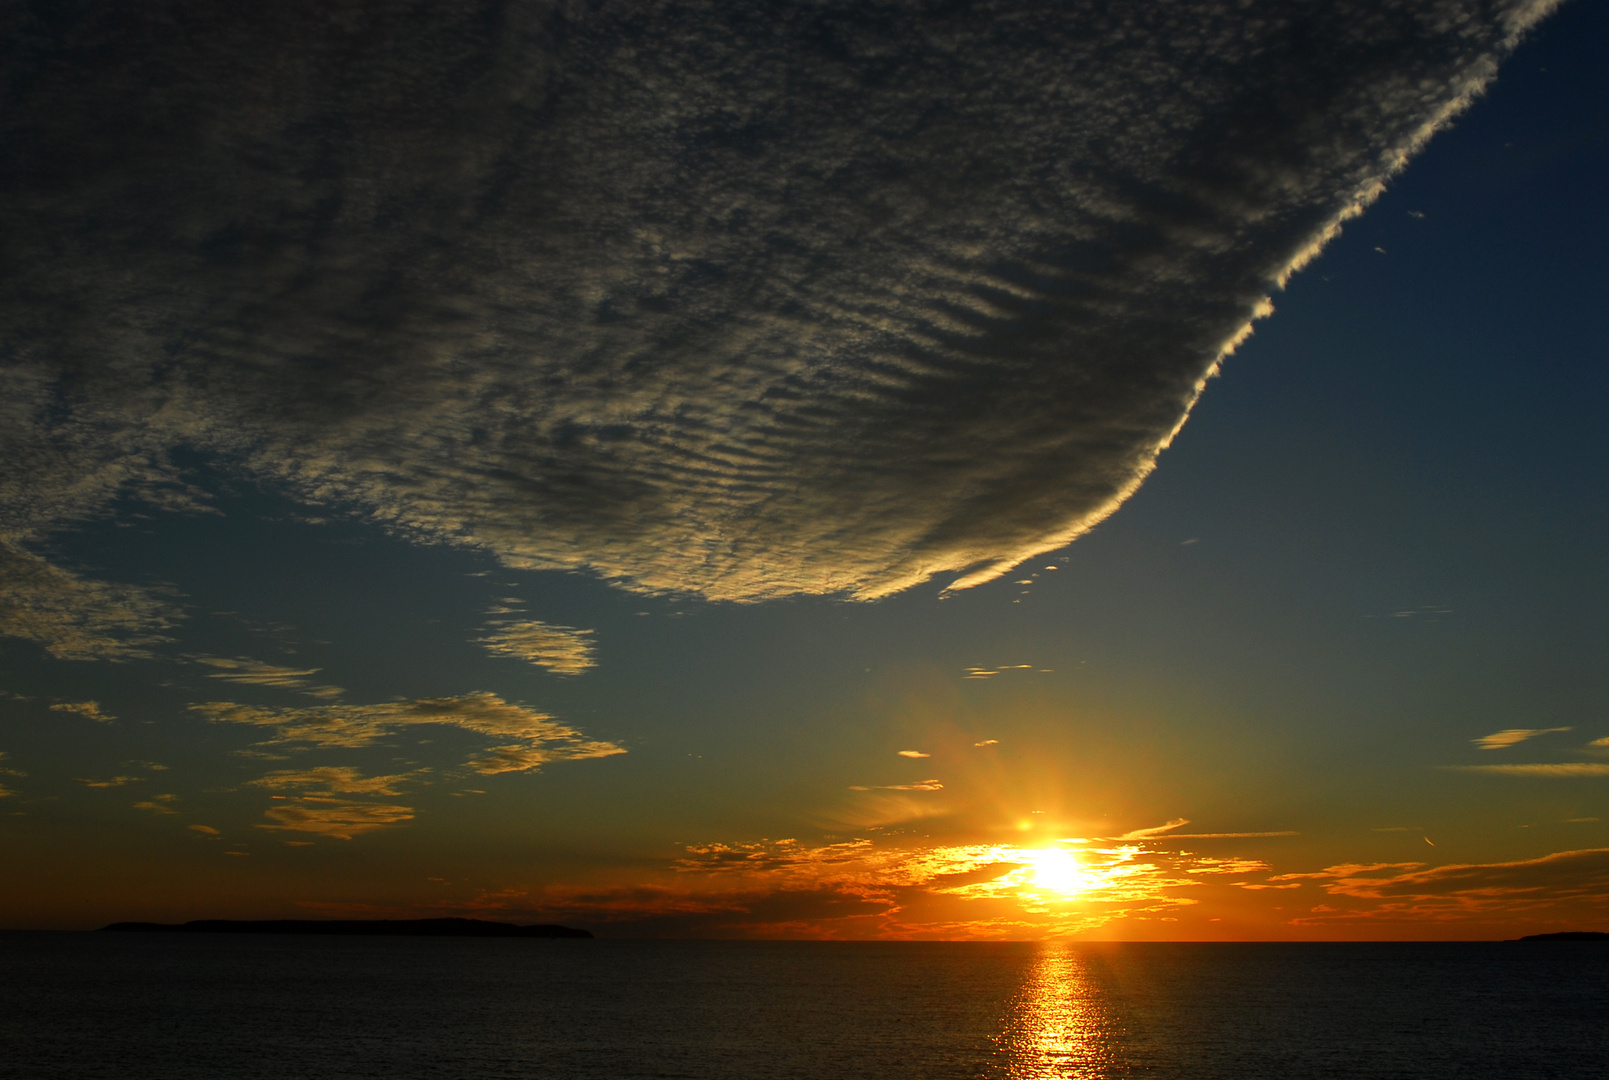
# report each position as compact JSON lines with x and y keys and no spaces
{"x":535,"y":738}
{"x":1501,"y":740}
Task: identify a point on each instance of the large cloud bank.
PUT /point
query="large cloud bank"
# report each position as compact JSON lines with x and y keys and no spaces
{"x":741,"y":299}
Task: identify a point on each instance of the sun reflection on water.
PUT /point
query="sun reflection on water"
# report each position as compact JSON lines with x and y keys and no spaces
{"x":1061,"y":1025}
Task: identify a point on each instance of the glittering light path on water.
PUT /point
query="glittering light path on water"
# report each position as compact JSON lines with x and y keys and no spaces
{"x":1061,"y":1025}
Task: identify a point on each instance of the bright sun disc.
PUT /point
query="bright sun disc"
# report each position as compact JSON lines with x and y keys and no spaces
{"x":1059,"y":871}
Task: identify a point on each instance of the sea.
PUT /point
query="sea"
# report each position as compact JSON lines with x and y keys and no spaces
{"x":241,"y":1007}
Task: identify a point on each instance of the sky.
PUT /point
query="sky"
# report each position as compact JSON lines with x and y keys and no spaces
{"x":811,"y":471}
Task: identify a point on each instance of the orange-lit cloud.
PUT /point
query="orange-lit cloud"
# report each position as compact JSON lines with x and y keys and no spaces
{"x":563,"y":650}
{"x":158,"y":804}
{"x":920,"y":785}
{"x":76,"y":618}
{"x":248,"y":672}
{"x":89,"y":709}
{"x":340,"y":779}
{"x":1549,"y":769}
{"x":340,"y":819}
{"x":989,"y":673}
{"x":1500,"y":740}
{"x":115,"y":781}
{"x":539,"y":738}
{"x":913,"y":754}
{"x":1395,"y":891}
{"x":857,"y":889}
{"x":1153,"y":831}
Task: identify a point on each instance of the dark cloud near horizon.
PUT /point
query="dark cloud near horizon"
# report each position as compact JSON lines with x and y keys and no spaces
{"x":738,"y":299}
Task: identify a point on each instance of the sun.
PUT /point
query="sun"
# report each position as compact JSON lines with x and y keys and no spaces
{"x":1060,"y":871}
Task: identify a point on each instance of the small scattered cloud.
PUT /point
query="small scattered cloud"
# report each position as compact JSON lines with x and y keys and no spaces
{"x":248,"y":672}
{"x":536,"y":737}
{"x":158,"y":804}
{"x":88,"y":709}
{"x":331,"y":779}
{"x":116,"y":781}
{"x":207,"y":830}
{"x":921,"y":785}
{"x":989,"y":673}
{"x":1499,"y":740}
{"x":987,"y":742}
{"x":563,"y":650}
{"x":339,"y":819}
{"x":913,"y":754}
{"x":77,"y":618}
{"x":1563,"y":769}
{"x":1602,"y":743}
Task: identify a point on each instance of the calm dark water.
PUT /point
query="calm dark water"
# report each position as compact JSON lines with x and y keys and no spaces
{"x":226,"y":1007}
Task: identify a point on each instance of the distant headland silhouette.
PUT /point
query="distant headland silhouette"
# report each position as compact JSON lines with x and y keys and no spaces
{"x":362,"y":927}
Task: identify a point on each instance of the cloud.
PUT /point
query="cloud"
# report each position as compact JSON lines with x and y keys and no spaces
{"x":987,"y":742}
{"x":538,"y":738}
{"x":711,"y":302}
{"x":857,"y":889}
{"x":1561,"y":769}
{"x":989,"y":673}
{"x":339,"y":779}
{"x":922,"y":785}
{"x":563,"y":650}
{"x":1412,"y":890}
{"x":158,"y":804}
{"x":1228,"y":866}
{"x":1154,"y":831}
{"x":206,"y":830}
{"x":90,"y":709}
{"x":1227,"y":835}
{"x":248,"y":672}
{"x":340,"y":819}
{"x":73,"y":617}
{"x":1499,"y":740}
{"x":913,"y":754}
{"x":1603,"y":742}
{"x":768,"y":855}
{"x":1166,"y":832}
{"x":116,"y":781}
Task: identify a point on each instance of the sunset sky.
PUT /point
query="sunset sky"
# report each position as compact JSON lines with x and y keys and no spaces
{"x":689,"y":471}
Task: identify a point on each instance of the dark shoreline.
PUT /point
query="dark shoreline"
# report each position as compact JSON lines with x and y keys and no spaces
{"x":478,"y":928}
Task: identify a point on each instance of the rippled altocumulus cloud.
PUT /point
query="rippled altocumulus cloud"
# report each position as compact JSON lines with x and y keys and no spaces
{"x":735,"y":298}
